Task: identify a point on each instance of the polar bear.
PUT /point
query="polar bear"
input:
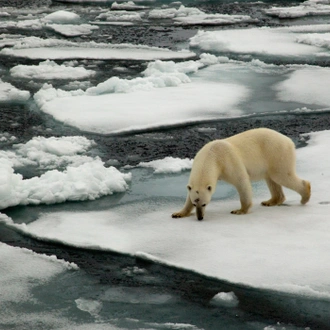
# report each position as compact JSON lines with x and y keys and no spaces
{"x":257,"y":154}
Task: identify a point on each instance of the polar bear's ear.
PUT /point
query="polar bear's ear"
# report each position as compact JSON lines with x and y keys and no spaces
{"x":209,"y":188}
{"x":189,"y":187}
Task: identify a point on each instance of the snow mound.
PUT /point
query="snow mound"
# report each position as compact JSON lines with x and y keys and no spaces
{"x":62,"y":17}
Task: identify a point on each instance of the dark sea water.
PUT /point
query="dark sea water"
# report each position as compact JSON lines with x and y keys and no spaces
{"x":136,"y":294}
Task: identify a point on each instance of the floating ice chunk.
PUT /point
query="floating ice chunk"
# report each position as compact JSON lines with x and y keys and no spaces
{"x":129,"y":5}
{"x":50,"y":153}
{"x":85,"y":182}
{"x":50,"y":70}
{"x":309,"y":85}
{"x":307,"y":8}
{"x":120,"y":15}
{"x":62,"y":17}
{"x":315,"y":39}
{"x":225,"y":299}
{"x":71,"y":30}
{"x":37,"y":48}
{"x":33,"y":24}
{"x":157,"y":75}
{"x":194,"y":16}
{"x":170,"y":13}
{"x":93,"y":307}
{"x":264,"y":41}
{"x":9,"y":93}
{"x":22,"y":269}
{"x":110,"y":113}
{"x":168,"y":165}
{"x":214,"y":19}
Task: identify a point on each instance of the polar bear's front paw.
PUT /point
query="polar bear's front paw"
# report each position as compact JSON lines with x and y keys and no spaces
{"x":240,"y":211}
{"x":179,"y":214}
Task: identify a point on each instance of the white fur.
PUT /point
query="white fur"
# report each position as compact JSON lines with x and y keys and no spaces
{"x":257,"y":154}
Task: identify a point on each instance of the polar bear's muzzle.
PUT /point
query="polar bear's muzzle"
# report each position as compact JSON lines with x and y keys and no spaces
{"x":200,"y":213}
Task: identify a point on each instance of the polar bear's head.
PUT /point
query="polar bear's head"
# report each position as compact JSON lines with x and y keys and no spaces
{"x":200,"y":197}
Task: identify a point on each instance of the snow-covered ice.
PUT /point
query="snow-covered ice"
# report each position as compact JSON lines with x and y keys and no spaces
{"x":225,"y":299}
{"x":47,"y":70}
{"x":280,"y":248}
{"x":62,"y":17}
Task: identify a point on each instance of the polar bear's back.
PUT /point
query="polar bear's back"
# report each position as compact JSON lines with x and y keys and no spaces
{"x":263,"y":150}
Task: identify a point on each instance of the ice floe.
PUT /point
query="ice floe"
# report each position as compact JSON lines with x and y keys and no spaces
{"x":9,"y":93}
{"x":129,"y":5}
{"x":83,"y":177}
{"x":62,"y":17}
{"x":120,"y":15}
{"x":307,"y":8}
{"x":50,"y":70}
{"x":168,"y":165}
{"x":194,"y":16}
{"x":72,"y":30}
{"x":50,"y":153}
{"x":263,"y":41}
{"x":280,"y":248}
{"x":52,"y":49}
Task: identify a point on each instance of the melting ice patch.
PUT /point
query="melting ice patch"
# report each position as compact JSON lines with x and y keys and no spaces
{"x":282,"y":41}
{"x":50,"y":70}
{"x":309,"y":85}
{"x":21,"y":269}
{"x":281,"y":248}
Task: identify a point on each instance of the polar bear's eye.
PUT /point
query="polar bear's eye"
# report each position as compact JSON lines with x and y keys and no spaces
{"x":204,"y":205}
{"x":194,"y":204}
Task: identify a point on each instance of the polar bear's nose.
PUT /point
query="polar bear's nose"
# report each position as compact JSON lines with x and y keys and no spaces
{"x":200,"y":218}
{"x":197,"y":200}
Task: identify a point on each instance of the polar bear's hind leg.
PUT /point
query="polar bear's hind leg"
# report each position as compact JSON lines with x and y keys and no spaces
{"x":277,"y":195}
